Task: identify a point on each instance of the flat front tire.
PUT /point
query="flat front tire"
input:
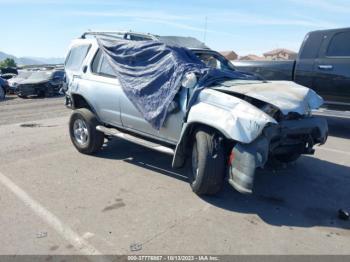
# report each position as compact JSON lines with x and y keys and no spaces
{"x":207,"y":169}
{"x":83,"y":133}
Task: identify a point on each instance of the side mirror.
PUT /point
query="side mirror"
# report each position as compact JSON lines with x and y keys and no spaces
{"x":189,"y":80}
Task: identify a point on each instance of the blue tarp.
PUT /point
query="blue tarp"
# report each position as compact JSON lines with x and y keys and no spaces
{"x":151,"y":72}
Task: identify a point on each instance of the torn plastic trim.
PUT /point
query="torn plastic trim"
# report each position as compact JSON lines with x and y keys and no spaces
{"x":247,"y":158}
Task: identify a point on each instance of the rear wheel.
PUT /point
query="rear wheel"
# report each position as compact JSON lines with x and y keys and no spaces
{"x":83,"y":133}
{"x":207,"y":169}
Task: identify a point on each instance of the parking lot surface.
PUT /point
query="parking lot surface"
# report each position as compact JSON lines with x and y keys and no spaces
{"x":54,"y":200}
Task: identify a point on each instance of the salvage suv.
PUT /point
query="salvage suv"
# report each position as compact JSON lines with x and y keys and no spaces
{"x":232,"y":127}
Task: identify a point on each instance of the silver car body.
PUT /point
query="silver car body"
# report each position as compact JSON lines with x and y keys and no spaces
{"x":234,"y":117}
{"x":257,"y":118}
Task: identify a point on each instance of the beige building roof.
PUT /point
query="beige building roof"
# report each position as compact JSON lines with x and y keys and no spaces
{"x":278,"y":51}
{"x":230,"y":55}
{"x":251,"y":57}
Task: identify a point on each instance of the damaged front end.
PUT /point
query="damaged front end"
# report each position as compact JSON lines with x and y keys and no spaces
{"x":288,"y":137}
{"x":264,"y":120}
{"x":294,"y":133}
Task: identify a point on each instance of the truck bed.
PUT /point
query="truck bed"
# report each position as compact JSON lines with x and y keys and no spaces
{"x":269,"y":70}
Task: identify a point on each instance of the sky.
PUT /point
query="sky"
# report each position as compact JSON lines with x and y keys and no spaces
{"x":45,"y":28}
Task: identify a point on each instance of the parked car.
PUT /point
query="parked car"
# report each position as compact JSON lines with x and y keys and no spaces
{"x":227,"y":126}
{"x":8,"y":72}
{"x":323,"y":64}
{"x":44,"y":83}
{"x":8,"y":76}
{"x":13,"y":82}
{"x":3,"y":88}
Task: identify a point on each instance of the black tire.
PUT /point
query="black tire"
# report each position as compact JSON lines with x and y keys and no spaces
{"x":207,"y":175}
{"x":94,"y":140}
{"x":22,"y":96}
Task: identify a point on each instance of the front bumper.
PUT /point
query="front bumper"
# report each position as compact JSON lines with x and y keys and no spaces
{"x":29,"y":89}
{"x":292,"y":136}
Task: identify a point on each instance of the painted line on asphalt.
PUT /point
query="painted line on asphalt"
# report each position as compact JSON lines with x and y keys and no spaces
{"x":333,"y":150}
{"x":65,"y":231}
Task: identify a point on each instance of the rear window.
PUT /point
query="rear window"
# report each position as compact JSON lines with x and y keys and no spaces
{"x":311,"y":46}
{"x":101,"y":66}
{"x":76,"y":57}
{"x":339,"y":45}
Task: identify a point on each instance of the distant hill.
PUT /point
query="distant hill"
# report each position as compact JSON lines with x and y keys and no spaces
{"x":32,"y":60}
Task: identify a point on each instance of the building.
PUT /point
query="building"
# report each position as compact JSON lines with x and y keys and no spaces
{"x":251,"y":57}
{"x":280,"y":54}
{"x":230,"y":55}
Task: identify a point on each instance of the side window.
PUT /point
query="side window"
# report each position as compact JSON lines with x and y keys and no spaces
{"x":311,"y":46}
{"x":76,"y":57}
{"x":101,"y":66}
{"x":339,"y":45}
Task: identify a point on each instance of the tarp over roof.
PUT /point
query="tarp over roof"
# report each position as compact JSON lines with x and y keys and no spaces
{"x":151,"y":72}
{"x":182,"y":41}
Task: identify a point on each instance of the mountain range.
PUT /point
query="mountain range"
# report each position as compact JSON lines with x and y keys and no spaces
{"x":32,"y":60}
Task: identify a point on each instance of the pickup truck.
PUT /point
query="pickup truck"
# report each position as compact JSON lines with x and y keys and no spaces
{"x":323,"y":64}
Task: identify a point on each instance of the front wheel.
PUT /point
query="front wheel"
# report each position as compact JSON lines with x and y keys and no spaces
{"x":207,"y":169}
{"x":83,"y":133}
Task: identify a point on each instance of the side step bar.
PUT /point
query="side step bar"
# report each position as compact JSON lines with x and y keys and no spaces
{"x":136,"y":140}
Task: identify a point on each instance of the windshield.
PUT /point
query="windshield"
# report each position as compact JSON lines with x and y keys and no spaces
{"x":214,"y":60}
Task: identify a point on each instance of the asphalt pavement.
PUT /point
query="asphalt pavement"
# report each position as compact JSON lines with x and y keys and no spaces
{"x":128,"y":200}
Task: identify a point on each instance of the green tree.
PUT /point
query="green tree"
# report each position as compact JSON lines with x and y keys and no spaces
{"x":8,"y":62}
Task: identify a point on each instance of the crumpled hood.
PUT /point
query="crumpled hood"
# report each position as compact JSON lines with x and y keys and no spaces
{"x":33,"y":82}
{"x":285,"y":95}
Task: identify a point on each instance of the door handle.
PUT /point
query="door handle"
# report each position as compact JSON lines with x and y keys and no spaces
{"x":325,"y":67}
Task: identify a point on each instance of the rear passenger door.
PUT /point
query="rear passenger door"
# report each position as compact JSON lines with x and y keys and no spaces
{"x":332,"y":68}
{"x":103,"y":90}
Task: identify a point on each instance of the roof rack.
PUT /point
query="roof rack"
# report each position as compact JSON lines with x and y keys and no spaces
{"x":119,"y":34}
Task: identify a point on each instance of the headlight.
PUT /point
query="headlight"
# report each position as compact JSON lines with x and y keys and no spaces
{"x":189,"y":80}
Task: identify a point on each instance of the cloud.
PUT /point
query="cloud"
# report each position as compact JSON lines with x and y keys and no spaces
{"x":335,"y":6}
{"x":245,"y":19}
{"x":132,"y":14}
{"x":234,"y":17}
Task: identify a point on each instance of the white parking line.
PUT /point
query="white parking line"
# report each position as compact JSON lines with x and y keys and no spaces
{"x":65,"y":231}
{"x":333,"y":150}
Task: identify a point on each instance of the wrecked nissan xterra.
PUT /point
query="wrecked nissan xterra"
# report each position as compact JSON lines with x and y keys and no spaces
{"x":175,"y":95}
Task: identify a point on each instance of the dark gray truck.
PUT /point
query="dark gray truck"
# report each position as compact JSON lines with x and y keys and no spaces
{"x":323,"y":64}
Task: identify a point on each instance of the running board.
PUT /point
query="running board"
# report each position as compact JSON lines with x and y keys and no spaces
{"x":136,"y":140}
